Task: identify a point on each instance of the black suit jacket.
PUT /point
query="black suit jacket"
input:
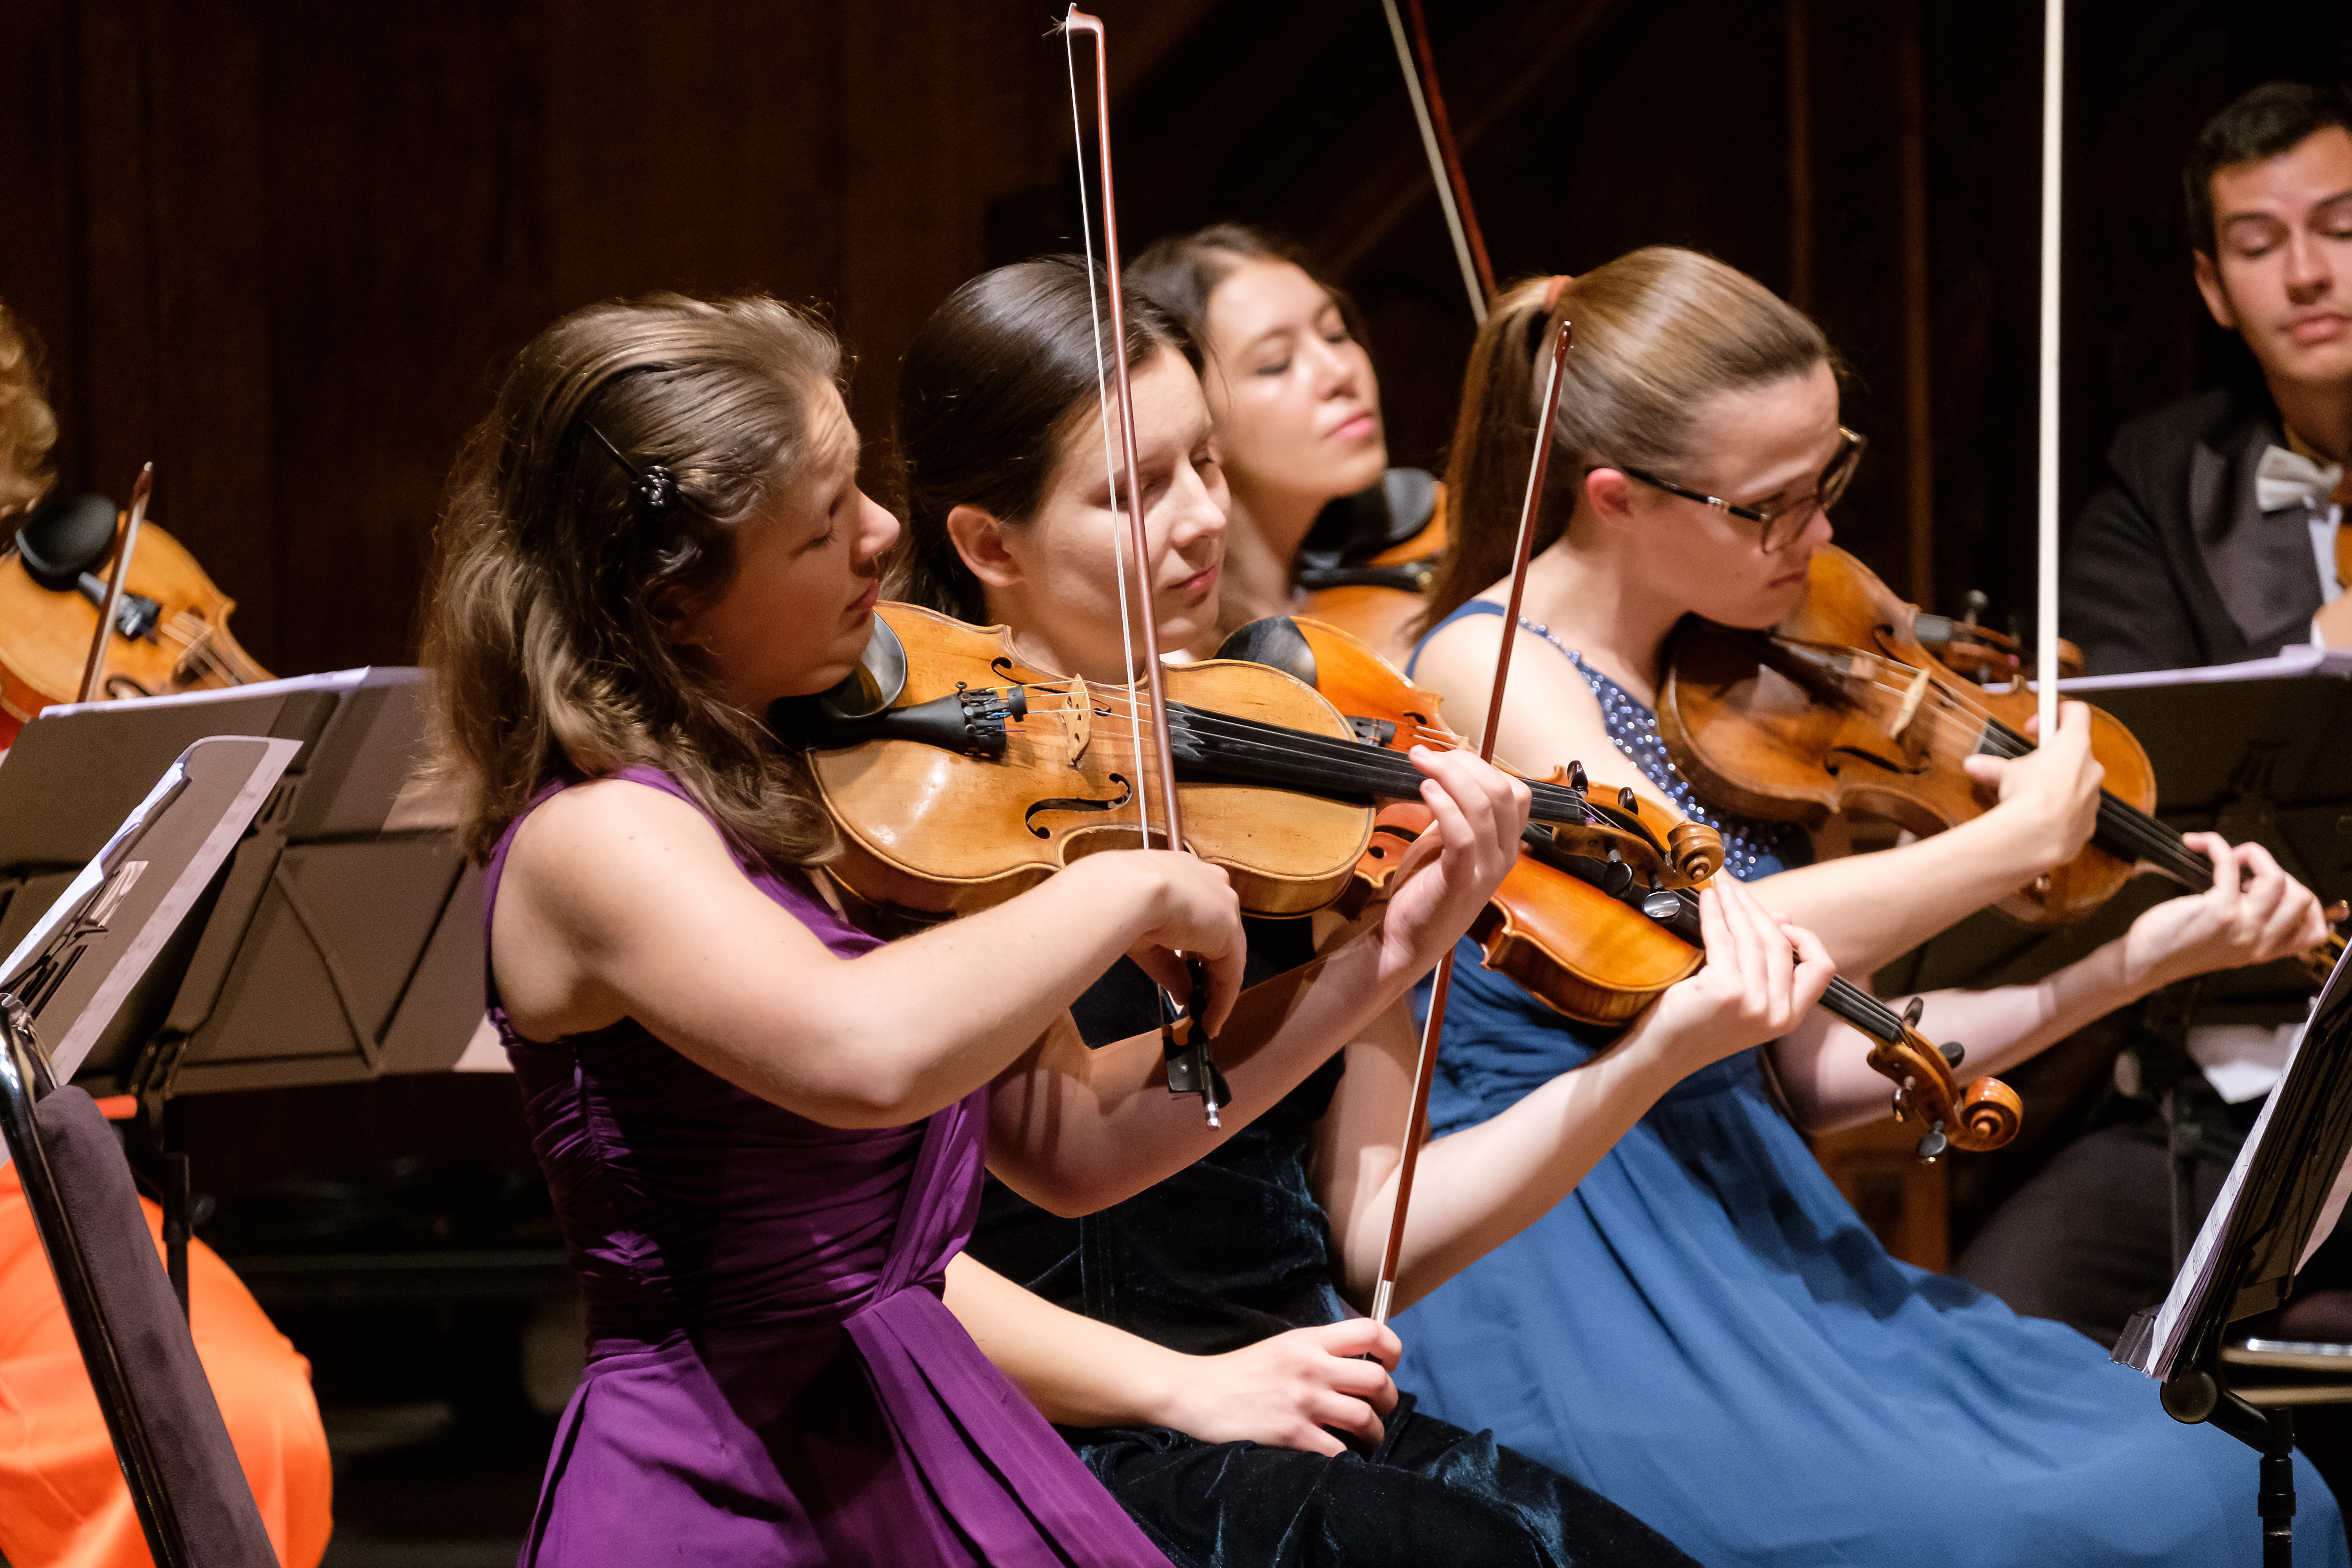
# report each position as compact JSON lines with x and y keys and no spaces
{"x":2172,"y":563}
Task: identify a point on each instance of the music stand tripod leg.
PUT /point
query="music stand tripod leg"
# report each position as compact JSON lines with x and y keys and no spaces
{"x":2198,"y":1395}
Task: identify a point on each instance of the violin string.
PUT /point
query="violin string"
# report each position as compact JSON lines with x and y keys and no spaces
{"x":1350,"y":762}
{"x":195,"y":653}
{"x":1844,"y":1000}
{"x":2151,"y":840}
{"x":1102,"y":394}
{"x":2154,"y":840}
{"x":1302,"y":743}
{"x":2146,"y":837}
{"x":195,"y":645}
{"x":198,"y":649}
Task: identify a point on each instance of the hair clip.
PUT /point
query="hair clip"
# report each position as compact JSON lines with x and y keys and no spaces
{"x":655,"y":488}
{"x":1542,"y":319}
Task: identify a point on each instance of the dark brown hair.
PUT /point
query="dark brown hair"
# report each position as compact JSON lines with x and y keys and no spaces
{"x":2270,"y":119}
{"x":989,"y":393}
{"x":1181,"y":273}
{"x":1658,"y":330}
{"x":556,"y":588}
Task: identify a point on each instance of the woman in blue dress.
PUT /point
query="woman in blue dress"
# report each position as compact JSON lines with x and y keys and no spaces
{"x":1704,"y":1331}
{"x":1200,"y":1343}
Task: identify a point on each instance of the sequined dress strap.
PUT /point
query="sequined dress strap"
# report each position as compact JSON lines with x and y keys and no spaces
{"x":1751,"y":847}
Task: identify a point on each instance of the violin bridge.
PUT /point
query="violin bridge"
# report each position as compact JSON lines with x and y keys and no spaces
{"x":1071,"y":720}
{"x":1911,"y":701}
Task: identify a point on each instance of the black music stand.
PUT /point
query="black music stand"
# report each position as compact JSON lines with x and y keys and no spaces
{"x":2282,"y":1198}
{"x":341,"y":941}
{"x":66,"y":978}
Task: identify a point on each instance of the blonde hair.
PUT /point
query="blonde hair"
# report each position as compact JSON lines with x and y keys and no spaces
{"x":1658,"y":330}
{"x":27,"y":428}
{"x":555,"y":585}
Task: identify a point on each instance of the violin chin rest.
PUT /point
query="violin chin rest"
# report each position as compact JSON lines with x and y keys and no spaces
{"x":65,"y":539}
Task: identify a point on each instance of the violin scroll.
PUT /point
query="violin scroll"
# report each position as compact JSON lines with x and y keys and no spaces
{"x":1695,"y":850}
{"x":1983,"y":1114}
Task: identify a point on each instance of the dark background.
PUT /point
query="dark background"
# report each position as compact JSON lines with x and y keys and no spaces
{"x":284,"y":250}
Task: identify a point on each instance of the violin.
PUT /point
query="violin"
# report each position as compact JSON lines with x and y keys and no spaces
{"x":1377,"y":600}
{"x":1840,"y":709}
{"x":960,"y":778}
{"x":1597,"y":933}
{"x":1567,"y":814}
{"x":171,"y":627}
{"x":1985,"y":655}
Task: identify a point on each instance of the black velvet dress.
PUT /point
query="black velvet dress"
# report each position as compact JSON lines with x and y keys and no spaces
{"x":1235,"y":1250}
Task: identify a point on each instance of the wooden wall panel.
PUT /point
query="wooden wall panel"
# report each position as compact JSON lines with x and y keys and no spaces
{"x":285,"y":250}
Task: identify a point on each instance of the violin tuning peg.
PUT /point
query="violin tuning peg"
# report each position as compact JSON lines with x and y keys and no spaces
{"x":1576,"y":779}
{"x":1627,"y":801}
{"x":1932,"y":1146}
{"x":1911,"y":1014}
{"x":1954,"y":1053}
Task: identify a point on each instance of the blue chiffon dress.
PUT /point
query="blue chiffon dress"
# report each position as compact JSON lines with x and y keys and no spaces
{"x":1706,"y":1333}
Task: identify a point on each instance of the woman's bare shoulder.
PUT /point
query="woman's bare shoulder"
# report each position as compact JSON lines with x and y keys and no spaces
{"x":614,"y":842}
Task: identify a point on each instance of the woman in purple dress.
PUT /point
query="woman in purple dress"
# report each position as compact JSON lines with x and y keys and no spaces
{"x":764,"y":1128}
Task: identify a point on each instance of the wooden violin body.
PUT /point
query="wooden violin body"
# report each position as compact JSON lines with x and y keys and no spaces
{"x":1983,"y":655}
{"x":1013,"y":773}
{"x":1379,"y":610}
{"x":1569,"y":813}
{"x":1840,"y":709}
{"x":170,"y":635}
{"x":1598,"y":918}
{"x":1574,"y":947}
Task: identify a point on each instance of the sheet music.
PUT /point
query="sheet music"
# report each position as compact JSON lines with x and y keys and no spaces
{"x":2302,"y":659}
{"x":2159,"y":1352}
{"x":324,"y":681}
{"x":218,"y":785}
{"x":2196,"y":1276}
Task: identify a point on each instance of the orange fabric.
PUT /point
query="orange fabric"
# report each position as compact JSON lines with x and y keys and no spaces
{"x":63,"y":1503}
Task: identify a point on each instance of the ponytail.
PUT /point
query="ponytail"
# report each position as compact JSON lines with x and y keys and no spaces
{"x":1658,"y":332}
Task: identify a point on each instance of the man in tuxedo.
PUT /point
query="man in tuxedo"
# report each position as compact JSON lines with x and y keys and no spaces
{"x":2217,"y":537}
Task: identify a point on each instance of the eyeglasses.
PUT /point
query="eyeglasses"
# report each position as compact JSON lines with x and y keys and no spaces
{"x":1782,"y":524}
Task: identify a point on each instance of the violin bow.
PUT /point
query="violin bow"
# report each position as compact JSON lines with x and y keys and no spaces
{"x":1444,"y":157}
{"x":1191,"y":1065}
{"x":94,"y":673}
{"x":1425,"y":1065}
{"x":2045,"y":628}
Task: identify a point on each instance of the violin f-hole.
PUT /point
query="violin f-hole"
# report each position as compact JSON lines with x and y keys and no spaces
{"x":1076,"y":803}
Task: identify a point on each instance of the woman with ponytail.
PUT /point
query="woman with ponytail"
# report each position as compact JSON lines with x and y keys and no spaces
{"x":1203,"y":1343}
{"x":1704,"y":1331}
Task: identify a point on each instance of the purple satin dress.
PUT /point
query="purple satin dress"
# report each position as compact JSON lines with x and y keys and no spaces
{"x":772,"y":1376}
